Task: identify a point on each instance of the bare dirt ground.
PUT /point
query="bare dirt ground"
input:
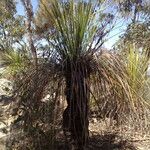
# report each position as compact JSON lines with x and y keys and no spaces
{"x":105,"y":137}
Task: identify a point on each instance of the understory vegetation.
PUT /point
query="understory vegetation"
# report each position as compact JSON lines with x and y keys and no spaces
{"x":70,"y":92}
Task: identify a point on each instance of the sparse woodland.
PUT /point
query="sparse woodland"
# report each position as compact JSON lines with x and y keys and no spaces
{"x":70,"y":92}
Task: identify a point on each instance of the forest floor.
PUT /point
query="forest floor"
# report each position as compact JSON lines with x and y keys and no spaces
{"x":103,"y":134}
{"x":103,"y":137}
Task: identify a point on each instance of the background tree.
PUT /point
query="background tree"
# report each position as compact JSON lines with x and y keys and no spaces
{"x":138,"y":30}
{"x":13,"y":48}
{"x":29,"y":27}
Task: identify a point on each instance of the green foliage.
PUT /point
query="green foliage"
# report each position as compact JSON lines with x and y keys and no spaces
{"x":137,"y":63}
{"x":138,"y":30}
{"x":14,"y":62}
{"x":13,"y":51}
{"x":138,"y":33}
{"x":74,"y":26}
{"x":11,"y":27}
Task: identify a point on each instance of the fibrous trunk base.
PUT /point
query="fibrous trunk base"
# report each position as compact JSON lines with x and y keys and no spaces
{"x":75,"y":116}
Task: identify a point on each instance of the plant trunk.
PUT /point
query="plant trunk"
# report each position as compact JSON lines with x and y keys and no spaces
{"x":29,"y":12}
{"x":75,"y":117}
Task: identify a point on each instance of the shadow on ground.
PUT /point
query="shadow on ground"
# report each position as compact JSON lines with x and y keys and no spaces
{"x":109,"y":141}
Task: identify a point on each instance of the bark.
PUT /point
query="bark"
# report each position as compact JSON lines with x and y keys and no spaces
{"x":29,"y":13}
{"x":75,"y":116}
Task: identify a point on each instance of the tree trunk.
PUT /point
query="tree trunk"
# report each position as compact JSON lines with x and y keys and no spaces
{"x":75,"y":117}
{"x":29,"y":13}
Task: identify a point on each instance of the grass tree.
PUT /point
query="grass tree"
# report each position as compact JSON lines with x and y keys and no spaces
{"x":76,"y":30}
{"x":13,"y":62}
{"x":137,"y":63}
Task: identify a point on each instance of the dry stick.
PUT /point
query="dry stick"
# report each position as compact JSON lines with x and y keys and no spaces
{"x":138,"y":140}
